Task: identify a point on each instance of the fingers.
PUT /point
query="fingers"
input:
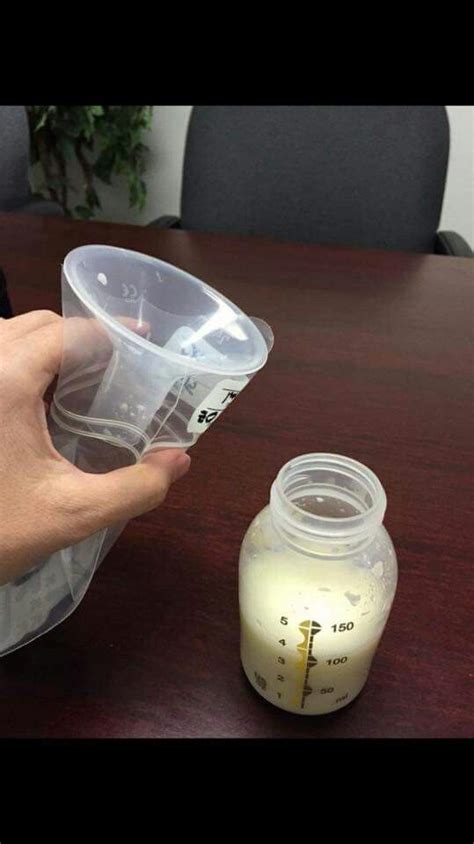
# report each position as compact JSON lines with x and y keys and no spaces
{"x":42,"y":353}
{"x":25,"y":323}
{"x":124,"y":493}
{"x":140,"y":328}
{"x":88,"y":341}
{"x":42,"y":334}
{"x":81,"y":329}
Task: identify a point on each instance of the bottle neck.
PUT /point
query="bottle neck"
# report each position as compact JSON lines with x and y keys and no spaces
{"x":327,"y":505}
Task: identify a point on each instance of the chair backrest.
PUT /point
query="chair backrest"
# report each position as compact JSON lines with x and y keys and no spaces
{"x":14,"y":157}
{"x":368,"y":176}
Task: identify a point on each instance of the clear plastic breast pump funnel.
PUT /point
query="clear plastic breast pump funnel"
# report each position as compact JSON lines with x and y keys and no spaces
{"x":152,"y":356}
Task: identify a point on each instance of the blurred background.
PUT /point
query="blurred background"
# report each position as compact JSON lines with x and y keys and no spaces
{"x":164,"y":164}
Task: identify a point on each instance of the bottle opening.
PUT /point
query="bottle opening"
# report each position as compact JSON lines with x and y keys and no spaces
{"x":327,"y":497}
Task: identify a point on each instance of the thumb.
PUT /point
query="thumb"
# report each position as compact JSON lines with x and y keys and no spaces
{"x":124,"y":493}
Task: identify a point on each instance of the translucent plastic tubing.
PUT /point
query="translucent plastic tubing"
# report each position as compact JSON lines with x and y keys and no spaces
{"x":152,"y":356}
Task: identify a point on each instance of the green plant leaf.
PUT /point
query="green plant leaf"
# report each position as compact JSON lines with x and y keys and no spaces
{"x":66,"y":146}
{"x":92,"y":198}
{"x":112,"y":137}
{"x":83,"y":212}
{"x":42,"y":120}
{"x":105,"y":165}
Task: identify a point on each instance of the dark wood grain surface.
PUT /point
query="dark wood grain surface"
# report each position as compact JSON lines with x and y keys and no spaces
{"x":372,"y":359}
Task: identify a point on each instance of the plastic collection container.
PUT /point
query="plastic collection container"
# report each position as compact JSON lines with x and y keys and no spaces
{"x":152,"y":356}
{"x":317,"y":578}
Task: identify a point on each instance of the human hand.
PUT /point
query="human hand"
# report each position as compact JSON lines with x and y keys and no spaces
{"x":47,"y":503}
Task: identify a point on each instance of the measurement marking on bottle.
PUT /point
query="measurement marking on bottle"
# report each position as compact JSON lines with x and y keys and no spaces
{"x":260,"y":681}
{"x":309,"y":629}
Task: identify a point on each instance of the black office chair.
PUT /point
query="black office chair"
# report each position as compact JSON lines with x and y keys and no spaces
{"x":15,"y":191}
{"x":367,"y":176}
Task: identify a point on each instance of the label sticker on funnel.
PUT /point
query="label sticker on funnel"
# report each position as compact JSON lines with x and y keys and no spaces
{"x":215,"y":402}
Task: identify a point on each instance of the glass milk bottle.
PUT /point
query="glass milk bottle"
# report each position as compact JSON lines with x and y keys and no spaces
{"x":317,"y":578}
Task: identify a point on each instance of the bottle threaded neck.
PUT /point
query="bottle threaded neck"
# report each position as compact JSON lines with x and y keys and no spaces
{"x":327,"y":504}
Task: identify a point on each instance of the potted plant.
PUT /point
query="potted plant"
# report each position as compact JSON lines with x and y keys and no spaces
{"x":104,"y":140}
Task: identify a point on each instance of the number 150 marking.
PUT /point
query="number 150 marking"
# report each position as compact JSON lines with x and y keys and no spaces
{"x":340,"y":628}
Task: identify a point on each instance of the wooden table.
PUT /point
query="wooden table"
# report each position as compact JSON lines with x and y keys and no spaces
{"x":372,"y":359}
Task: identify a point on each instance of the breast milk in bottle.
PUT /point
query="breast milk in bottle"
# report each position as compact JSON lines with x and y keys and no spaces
{"x":317,"y":578}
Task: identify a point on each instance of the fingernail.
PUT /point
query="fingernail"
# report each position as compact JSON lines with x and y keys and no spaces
{"x":167,"y":455}
{"x":175,"y":460}
{"x":180,"y":467}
